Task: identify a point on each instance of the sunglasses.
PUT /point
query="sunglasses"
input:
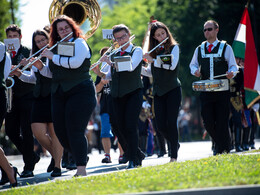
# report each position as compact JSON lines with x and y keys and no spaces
{"x":207,"y":29}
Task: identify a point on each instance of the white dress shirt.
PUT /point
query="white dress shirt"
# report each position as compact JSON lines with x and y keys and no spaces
{"x":146,"y":71}
{"x":228,"y":55}
{"x":82,"y":52}
{"x":137,"y":57}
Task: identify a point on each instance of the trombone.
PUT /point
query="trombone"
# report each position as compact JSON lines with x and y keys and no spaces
{"x":113,"y":52}
{"x":40,"y":56}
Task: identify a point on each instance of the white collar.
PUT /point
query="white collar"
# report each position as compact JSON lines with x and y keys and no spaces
{"x":129,"y":48}
{"x":214,"y":43}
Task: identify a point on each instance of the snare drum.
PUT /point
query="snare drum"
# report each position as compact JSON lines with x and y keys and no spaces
{"x":207,"y":85}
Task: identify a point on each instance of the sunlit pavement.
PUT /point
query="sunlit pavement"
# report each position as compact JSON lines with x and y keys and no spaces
{"x":187,"y":151}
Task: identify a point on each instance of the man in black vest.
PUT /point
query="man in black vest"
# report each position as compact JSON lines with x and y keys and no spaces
{"x":17,"y":121}
{"x":210,"y":59}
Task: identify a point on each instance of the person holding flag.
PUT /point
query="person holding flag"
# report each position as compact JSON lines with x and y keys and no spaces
{"x":214,"y":56}
{"x":244,"y":49}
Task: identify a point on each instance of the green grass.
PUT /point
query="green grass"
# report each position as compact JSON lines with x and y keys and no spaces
{"x":222,"y":170}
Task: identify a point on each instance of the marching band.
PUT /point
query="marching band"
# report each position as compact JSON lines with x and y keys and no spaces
{"x":52,"y":94}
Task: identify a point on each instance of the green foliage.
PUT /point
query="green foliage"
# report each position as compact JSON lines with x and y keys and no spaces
{"x":6,"y":17}
{"x":222,"y":170}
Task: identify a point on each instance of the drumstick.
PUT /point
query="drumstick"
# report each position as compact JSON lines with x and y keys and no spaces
{"x":157,"y":45}
{"x":221,"y":75}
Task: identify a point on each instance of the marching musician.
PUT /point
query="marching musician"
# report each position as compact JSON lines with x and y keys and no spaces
{"x":163,"y":67}
{"x":8,"y":172}
{"x":41,"y":117}
{"x":212,"y":58}
{"x":73,"y":92}
{"x":17,"y":122}
{"x":126,"y":91}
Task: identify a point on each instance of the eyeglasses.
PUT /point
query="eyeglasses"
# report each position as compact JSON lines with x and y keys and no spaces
{"x":207,"y":29}
{"x":42,"y":40}
{"x":122,"y":37}
{"x":66,"y":28}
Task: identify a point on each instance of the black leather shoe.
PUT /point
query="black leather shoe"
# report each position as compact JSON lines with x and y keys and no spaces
{"x":72,"y":165}
{"x":245,"y":147}
{"x":26,"y":173}
{"x":124,"y":160}
{"x":56,"y":172}
{"x":130,"y":165}
{"x":51,"y":166}
{"x":4,"y":178}
{"x":161,"y":154}
{"x":36,"y":159}
{"x":239,"y":149}
{"x":252,"y":146}
{"x":12,"y":185}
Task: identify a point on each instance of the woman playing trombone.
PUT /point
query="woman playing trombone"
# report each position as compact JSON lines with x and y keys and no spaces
{"x":41,"y":118}
{"x":163,"y":67}
{"x":73,"y":93}
{"x":126,"y":91}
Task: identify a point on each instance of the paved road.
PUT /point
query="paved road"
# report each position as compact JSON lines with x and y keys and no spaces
{"x":188,"y":151}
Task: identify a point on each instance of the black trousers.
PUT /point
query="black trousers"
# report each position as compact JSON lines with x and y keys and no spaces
{"x":127,"y":110}
{"x":71,"y":112}
{"x":166,"y":110}
{"x":18,"y":128}
{"x":215,"y":114}
{"x":2,"y":105}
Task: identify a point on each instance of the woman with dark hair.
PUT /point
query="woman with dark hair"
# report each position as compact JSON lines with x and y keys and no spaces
{"x":73,"y":92}
{"x":163,"y":67}
{"x":126,"y":91}
{"x":41,"y":117}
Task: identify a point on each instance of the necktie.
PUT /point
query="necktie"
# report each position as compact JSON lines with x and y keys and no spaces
{"x":122,"y":53}
{"x":210,"y":47}
{"x":13,"y":53}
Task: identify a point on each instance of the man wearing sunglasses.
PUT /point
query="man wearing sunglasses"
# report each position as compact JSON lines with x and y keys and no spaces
{"x":210,"y":59}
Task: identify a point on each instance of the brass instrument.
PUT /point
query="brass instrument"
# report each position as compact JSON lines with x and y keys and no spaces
{"x":86,"y":13}
{"x":9,"y":82}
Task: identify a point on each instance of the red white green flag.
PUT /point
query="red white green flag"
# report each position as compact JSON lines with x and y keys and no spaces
{"x":244,"y":47}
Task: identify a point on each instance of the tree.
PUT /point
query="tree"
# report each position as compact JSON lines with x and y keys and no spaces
{"x":6,"y":15}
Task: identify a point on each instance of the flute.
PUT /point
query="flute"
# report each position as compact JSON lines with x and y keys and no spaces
{"x":19,"y":65}
{"x":113,"y":52}
{"x":158,"y":45}
{"x":40,"y":56}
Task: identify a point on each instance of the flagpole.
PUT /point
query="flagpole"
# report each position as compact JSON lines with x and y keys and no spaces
{"x":247,"y":4}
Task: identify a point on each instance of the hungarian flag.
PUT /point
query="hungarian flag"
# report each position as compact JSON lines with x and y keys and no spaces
{"x":244,"y":47}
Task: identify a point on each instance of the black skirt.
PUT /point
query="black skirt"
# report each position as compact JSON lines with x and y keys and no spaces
{"x":41,"y":110}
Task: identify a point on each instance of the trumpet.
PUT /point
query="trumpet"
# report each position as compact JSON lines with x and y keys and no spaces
{"x":40,"y":56}
{"x":113,"y":52}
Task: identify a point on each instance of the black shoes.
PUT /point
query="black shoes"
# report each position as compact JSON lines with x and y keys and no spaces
{"x":26,"y":173}
{"x":161,"y":154}
{"x":131,"y":165}
{"x":51,"y":166}
{"x":123,"y":160}
{"x":72,"y":165}
{"x":56,"y":172}
{"x":107,"y":159}
{"x":239,"y":149}
{"x":12,"y":185}
{"x":4,"y":178}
